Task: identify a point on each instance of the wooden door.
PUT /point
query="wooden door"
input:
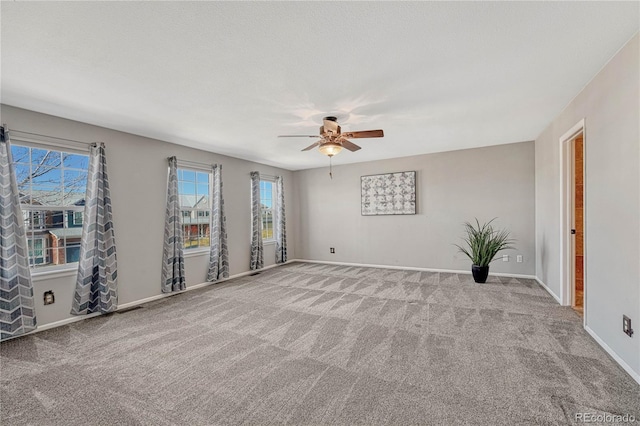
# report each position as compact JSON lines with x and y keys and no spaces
{"x":578,"y":217}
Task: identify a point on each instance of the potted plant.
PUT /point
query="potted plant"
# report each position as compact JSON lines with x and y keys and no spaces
{"x":483,"y":243}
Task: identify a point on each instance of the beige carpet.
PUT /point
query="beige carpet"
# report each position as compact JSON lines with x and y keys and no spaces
{"x":320,"y":344}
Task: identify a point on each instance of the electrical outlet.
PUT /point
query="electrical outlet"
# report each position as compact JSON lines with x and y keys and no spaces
{"x":332,"y":250}
{"x":519,"y":258}
{"x":48,"y":297}
{"x":626,"y":326}
{"x":505,"y":257}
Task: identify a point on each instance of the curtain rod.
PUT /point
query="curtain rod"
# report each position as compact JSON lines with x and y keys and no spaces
{"x":193,"y":163}
{"x":47,"y":136}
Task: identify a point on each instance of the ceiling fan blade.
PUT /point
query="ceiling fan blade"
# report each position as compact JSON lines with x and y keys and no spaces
{"x":313,"y":145}
{"x":364,"y":134}
{"x":297,"y":136}
{"x":349,"y":145}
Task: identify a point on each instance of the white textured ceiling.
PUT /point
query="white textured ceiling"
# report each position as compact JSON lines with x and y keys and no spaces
{"x":229,"y":77}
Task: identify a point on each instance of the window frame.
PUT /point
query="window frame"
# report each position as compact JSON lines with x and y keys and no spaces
{"x":200,"y":249}
{"x":42,"y":210}
{"x":271,"y":209}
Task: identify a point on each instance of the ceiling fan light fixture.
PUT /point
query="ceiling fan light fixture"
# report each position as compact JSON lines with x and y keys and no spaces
{"x":330,"y":148}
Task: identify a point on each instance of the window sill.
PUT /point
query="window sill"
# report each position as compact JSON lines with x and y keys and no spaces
{"x":54,"y":273}
{"x":269,"y":243}
{"x":196,"y":252}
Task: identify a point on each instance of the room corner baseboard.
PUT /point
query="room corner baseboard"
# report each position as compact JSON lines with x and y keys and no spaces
{"x":411,"y":268}
{"x":543,"y":285}
{"x":635,"y":375}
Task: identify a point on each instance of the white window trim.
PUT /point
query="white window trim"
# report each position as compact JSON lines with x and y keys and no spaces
{"x":57,"y":271}
{"x":54,"y":270}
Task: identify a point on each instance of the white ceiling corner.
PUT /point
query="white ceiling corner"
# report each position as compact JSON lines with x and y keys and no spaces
{"x":231,"y":76}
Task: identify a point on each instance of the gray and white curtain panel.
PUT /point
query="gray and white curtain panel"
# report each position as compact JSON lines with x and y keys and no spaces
{"x":96,"y":284}
{"x":257,"y":259}
{"x":281,"y":228}
{"x":173,"y":278}
{"x":219,"y":257}
{"x":17,"y":314}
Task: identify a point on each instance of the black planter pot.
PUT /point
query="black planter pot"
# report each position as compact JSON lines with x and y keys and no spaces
{"x":480,"y":273}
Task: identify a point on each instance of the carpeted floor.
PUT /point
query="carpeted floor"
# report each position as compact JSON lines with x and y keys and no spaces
{"x":319,"y":344}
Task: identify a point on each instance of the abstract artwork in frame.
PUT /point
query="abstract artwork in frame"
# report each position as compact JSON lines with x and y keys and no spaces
{"x":388,"y":194}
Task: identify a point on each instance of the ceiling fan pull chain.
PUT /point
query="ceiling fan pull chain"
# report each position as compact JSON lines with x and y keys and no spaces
{"x":330,"y":168}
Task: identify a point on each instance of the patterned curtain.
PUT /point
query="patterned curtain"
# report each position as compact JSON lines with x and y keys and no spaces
{"x":257,"y":261}
{"x":281,"y":228}
{"x":96,"y":284}
{"x":219,"y":257}
{"x":173,"y":278}
{"x":17,"y":314}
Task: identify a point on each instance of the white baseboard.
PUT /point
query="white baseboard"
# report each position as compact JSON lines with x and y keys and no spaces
{"x":411,"y":268}
{"x":635,"y":375}
{"x":193,"y":287}
{"x":543,"y":285}
{"x":135,"y":303}
{"x":56,"y":324}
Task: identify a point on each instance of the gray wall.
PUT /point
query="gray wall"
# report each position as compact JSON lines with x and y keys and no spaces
{"x":452,"y":187}
{"x":610,"y":106}
{"x":137,"y":176}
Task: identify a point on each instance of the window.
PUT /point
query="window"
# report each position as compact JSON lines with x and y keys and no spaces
{"x":52,"y":186}
{"x":267,"y":196}
{"x":73,"y":252}
{"x":195,"y":205}
{"x":36,"y":250}
{"x":77,"y":219}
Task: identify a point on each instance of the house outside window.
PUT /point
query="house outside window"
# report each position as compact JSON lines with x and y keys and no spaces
{"x":195,"y":205}
{"x":267,"y":197}
{"x":52,"y":185}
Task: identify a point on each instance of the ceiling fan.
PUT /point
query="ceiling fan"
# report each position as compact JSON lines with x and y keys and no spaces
{"x":332,"y":140}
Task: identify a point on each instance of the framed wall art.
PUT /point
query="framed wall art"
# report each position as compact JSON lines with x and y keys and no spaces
{"x":388,"y":194}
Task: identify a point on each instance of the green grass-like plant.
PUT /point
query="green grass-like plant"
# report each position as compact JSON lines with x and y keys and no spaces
{"x":484,"y":242}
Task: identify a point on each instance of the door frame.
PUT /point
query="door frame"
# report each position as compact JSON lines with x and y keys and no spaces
{"x":567,"y":256}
